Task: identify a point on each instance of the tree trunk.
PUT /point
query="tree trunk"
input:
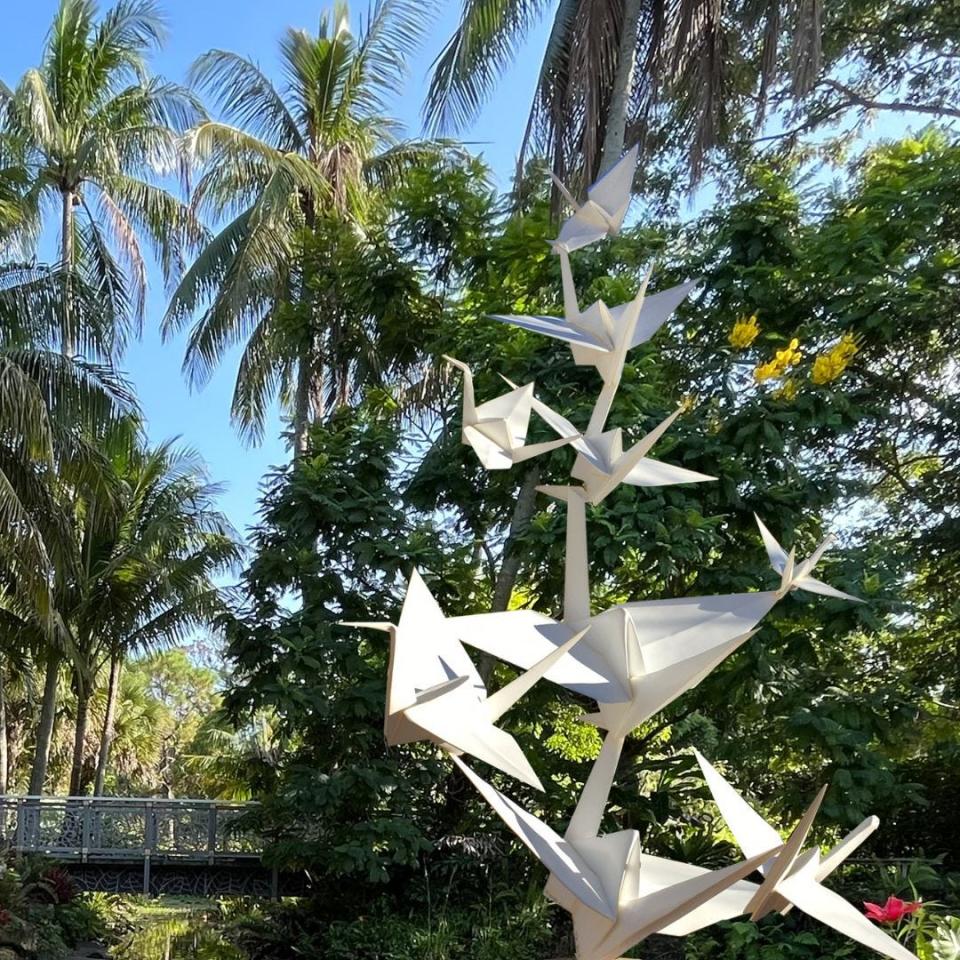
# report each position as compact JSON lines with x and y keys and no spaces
{"x":309,"y":402}
{"x":15,"y":734}
{"x":80,"y":740}
{"x":616,"y":132}
{"x":510,"y":564}
{"x":106,"y":739}
{"x":67,"y":258}
{"x":301,"y":410}
{"x":48,"y":717}
{"x":4,"y":755}
{"x":523,"y":512}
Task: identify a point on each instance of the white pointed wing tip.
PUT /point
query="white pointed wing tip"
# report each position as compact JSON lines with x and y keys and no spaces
{"x":704,"y":763}
{"x":812,"y":585}
{"x":775,"y":552}
{"x":383,"y":625}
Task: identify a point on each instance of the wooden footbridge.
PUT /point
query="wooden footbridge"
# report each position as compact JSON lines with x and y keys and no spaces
{"x":149,"y":846}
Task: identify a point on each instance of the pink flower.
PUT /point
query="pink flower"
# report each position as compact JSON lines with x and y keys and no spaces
{"x":893,"y":910}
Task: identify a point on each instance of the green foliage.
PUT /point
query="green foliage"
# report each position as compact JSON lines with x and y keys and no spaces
{"x":505,"y":933}
{"x":41,"y":916}
{"x":768,"y":941}
{"x":327,"y":521}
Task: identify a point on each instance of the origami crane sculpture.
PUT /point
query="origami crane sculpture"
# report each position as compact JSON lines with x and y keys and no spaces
{"x":616,"y":896}
{"x":497,"y":429}
{"x":434,"y":691}
{"x":648,"y":653}
{"x":797,"y":576}
{"x":602,"y":215}
{"x":792,"y":878}
{"x":633,"y":659}
{"x":601,"y":335}
{"x":602,"y":465}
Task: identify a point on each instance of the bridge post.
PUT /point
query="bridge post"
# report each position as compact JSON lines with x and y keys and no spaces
{"x":212,"y":833}
{"x":149,"y":842}
{"x":86,"y":830}
{"x":21,"y":824}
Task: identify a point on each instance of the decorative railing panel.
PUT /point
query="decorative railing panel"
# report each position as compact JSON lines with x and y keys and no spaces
{"x":118,"y":829}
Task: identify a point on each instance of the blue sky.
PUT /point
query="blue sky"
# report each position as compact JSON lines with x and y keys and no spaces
{"x":252,"y":28}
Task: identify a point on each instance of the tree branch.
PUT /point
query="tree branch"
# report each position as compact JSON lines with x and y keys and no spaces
{"x":902,"y":106}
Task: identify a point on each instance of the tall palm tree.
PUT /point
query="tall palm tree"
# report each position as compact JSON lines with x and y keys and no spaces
{"x":89,"y":131}
{"x":611,"y":65}
{"x":92,"y":130}
{"x":56,"y":413}
{"x":282,"y":163}
{"x":148,"y":576}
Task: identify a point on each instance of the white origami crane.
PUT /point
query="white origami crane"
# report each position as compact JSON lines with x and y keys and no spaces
{"x":669,"y":646}
{"x":796,"y":576}
{"x":600,"y":336}
{"x":616,"y":896}
{"x":435,"y":693}
{"x":648,"y":652}
{"x":607,"y":201}
{"x":791,"y":878}
{"x":603,"y":465}
{"x":497,"y":429}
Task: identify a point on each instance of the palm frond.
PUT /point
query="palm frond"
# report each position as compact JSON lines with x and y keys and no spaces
{"x":95,"y":262}
{"x":485,"y":43}
{"x":386,"y":42}
{"x":151,"y":212}
{"x":264,"y":369}
{"x":246,"y":98}
{"x":121,"y":39}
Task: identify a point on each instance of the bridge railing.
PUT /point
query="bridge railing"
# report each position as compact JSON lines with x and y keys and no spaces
{"x":103,"y":829}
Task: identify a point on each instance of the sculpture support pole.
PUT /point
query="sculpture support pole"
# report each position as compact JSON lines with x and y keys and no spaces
{"x":587,"y":818}
{"x":576,"y":585}
{"x":601,"y":409}
{"x":571,"y":305}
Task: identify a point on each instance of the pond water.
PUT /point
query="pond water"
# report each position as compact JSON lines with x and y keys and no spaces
{"x":179,"y":936}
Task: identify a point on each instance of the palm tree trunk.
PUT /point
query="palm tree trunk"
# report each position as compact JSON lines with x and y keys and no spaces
{"x":14,"y":749}
{"x":4,"y":753}
{"x":616,"y":132}
{"x":67,"y":259}
{"x":48,"y":717}
{"x":301,"y":410}
{"x":106,"y":738}
{"x":80,"y":741}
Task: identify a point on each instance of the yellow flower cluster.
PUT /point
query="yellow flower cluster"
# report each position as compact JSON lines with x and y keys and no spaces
{"x":829,"y":365}
{"x":787,"y":390}
{"x":781,"y":362}
{"x":744,"y":332}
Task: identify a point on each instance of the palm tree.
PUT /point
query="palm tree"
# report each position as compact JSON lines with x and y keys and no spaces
{"x":91,"y":128}
{"x":148,"y":575}
{"x":56,"y":416}
{"x":282,"y":164}
{"x":136,"y":569}
{"x":87,"y":131}
{"x":611,"y":67}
